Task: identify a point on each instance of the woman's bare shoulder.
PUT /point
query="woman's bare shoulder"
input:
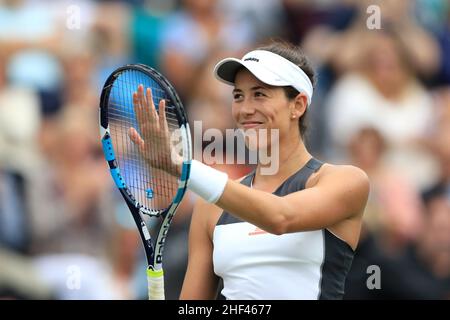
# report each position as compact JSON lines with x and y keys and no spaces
{"x":339,"y":172}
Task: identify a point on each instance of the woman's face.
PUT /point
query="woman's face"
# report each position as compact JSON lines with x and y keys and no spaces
{"x":262,"y":109}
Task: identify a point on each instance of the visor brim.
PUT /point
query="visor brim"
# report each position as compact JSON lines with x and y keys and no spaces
{"x":226,"y":70}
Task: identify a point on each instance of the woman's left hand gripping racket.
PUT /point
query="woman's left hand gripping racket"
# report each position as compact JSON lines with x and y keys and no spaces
{"x":147,"y":144}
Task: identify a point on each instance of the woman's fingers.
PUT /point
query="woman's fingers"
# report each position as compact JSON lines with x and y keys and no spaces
{"x":145,"y":112}
{"x":151,"y":105}
{"x":135,"y":137}
{"x":162,"y":116}
{"x":138,"y":109}
{"x":153,"y":138}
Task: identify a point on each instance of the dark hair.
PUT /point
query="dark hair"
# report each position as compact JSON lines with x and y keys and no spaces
{"x":295,"y":55}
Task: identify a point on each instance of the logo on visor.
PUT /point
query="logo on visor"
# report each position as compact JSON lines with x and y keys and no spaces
{"x":251,"y":59}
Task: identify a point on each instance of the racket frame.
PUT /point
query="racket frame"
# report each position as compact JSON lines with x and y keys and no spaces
{"x":153,"y":252}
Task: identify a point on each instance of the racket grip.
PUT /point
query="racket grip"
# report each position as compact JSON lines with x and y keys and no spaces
{"x":155,"y":281}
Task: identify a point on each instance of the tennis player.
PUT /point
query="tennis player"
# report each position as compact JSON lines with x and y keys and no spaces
{"x":287,"y":235}
{"x":290,"y":235}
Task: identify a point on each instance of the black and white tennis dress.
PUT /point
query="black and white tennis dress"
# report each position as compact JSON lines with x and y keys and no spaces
{"x":254,"y":264}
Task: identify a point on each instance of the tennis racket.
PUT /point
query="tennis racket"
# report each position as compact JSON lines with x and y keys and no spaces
{"x":147,"y":144}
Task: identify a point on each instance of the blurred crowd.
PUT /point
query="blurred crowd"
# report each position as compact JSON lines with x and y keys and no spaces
{"x":382,"y":103}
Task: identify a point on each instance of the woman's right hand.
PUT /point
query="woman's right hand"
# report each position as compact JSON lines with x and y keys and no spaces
{"x":154,"y":145}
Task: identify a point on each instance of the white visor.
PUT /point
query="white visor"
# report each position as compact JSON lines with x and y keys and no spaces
{"x":269,"y":68}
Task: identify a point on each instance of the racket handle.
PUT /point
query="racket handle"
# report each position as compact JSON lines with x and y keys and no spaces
{"x":155,"y":281}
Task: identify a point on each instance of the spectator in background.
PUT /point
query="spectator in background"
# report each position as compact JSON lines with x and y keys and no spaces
{"x":439,"y":141}
{"x":14,"y":212}
{"x":305,"y":20}
{"x":422,"y":271}
{"x":432,"y":250}
{"x":408,"y":241}
{"x":394,"y":211}
{"x":146,"y":31}
{"x":208,"y":99}
{"x":109,"y":36}
{"x":383,"y":93}
{"x":28,"y":33}
{"x":266,"y":17}
{"x":74,"y":174}
{"x":80,"y":90}
{"x":335,"y":40}
{"x":71,"y":203}
{"x":19,"y":123}
{"x":194,"y":33}
{"x":342,"y":49}
{"x":305,"y":17}
{"x":13,"y":283}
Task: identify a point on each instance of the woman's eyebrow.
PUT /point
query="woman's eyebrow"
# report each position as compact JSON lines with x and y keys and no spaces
{"x":236,"y":90}
{"x":258,"y":88}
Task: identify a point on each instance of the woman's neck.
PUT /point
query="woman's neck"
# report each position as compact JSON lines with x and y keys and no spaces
{"x":291,"y":157}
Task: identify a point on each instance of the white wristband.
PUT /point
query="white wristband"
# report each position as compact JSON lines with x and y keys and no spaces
{"x":206,"y":182}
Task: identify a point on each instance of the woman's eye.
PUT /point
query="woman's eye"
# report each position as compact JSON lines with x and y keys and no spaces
{"x":259,"y":94}
{"x":237,"y":96}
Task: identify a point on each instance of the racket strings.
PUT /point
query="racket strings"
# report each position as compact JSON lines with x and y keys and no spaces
{"x":148,"y":181}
